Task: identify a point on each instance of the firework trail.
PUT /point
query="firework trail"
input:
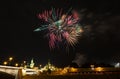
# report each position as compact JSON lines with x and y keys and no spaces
{"x":62,"y":27}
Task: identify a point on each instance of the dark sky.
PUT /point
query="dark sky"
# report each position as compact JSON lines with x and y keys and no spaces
{"x":100,"y":41}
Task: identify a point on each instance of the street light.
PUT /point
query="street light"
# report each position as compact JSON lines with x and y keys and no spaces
{"x":92,"y":67}
{"x":16,"y":64}
{"x":40,"y":66}
{"x":5,"y":63}
{"x":10,"y":59}
{"x":24,"y":64}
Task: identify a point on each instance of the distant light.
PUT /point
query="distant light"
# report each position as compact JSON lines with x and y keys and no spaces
{"x":16,"y":64}
{"x":92,"y":67}
{"x":64,"y":71}
{"x":73,"y":69}
{"x":40,"y":66}
{"x":5,"y":63}
{"x":24,"y":62}
{"x":99,"y":69}
{"x":11,"y":58}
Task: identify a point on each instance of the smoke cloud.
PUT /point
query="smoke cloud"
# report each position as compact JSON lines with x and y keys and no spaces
{"x":79,"y":59}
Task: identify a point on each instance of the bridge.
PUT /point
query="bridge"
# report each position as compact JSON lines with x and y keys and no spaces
{"x":15,"y":71}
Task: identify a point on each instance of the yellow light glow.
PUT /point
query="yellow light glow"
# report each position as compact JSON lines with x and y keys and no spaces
{"x":11,"y":58}
{"x":92,"y":66}
{"x":5,"y":63}
{"x":73,"y":69}
{"x":99,"y":69}
{"x":16,"y":64}
{"x":64,"y":71}
{"x":24,"y":62}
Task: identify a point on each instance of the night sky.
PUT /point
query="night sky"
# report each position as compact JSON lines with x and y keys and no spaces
{"x":100,"y":41}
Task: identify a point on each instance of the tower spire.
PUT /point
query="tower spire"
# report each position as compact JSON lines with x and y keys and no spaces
{"x":32,"y":63}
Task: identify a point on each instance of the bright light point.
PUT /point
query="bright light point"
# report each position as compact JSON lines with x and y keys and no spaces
{"x":16,"y":64}
{"x":11,"y":58}
{"x":99,"y":69}
{"x":73,"y":69}
{"x":5,"y":63}
{"x":92,"y":67}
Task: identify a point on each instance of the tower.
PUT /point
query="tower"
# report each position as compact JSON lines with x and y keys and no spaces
{"x":32,"y":64}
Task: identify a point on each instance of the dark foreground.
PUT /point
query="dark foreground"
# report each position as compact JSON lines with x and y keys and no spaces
{"x":6,"y":76}
{"x":77,"y":76}
{"x":107,"y":75}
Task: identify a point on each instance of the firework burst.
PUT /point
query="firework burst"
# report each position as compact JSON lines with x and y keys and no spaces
{"x":62,"y":27}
